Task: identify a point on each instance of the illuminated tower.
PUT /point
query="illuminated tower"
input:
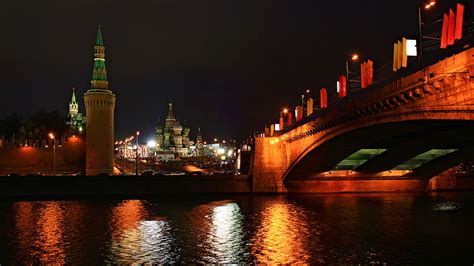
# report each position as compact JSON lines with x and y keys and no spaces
{"x":100,"y":103}
{"x":74,"y":117}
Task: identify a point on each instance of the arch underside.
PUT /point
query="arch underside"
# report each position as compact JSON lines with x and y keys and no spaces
{"x":426,"y":147}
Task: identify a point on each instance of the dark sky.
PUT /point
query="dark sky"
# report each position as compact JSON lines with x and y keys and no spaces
{"x":229,"y":66}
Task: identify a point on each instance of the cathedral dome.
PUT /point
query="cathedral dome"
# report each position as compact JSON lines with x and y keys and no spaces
{"x":177,"y":126}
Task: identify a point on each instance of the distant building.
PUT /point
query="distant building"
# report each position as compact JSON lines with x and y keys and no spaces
{"x":172,"y":136}
{"x":75,"y":120}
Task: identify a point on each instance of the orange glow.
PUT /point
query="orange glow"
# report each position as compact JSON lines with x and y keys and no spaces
{"x":355,"y":57}
{"x":285,"y":110}
{"x":24,"y":224}
{"x":50,"y":230}
{"x":430,"y":4}
{"x":307,"y":91}
{"x":127,"y":215}
{"x":51,"y":135}
{"x":126,"y":233}
{"x":282,"y":235}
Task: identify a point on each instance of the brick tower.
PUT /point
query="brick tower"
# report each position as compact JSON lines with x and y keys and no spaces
{"x":100,"y":103}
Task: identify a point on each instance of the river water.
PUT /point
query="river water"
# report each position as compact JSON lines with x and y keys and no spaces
{"x":400,"y":228}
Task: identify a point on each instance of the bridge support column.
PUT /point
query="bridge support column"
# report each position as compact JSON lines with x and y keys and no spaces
{"x":270,"y":163}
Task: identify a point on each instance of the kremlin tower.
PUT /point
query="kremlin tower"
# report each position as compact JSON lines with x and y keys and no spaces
{"x":100,"y":103}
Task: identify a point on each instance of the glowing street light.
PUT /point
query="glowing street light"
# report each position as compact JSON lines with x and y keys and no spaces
{"x":285,"y":110}
{"x":51,"y":136}
{"x":428,"y":5}
{"x":354,"y":58}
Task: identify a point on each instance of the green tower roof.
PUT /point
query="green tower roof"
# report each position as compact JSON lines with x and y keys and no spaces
{"x":99,"y":41}
{"x":99,"y":73}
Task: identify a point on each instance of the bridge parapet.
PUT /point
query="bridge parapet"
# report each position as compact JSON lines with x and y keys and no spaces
{"x":447,"y":74}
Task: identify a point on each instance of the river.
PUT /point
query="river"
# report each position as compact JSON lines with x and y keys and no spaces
{"x":402,"y":228}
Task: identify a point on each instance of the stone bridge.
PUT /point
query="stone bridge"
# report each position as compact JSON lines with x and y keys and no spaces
{"x":393,"y":138}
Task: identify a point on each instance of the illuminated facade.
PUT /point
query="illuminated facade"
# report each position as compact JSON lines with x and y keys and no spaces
{"x":100,"y":104}
{"x":172,"y":136}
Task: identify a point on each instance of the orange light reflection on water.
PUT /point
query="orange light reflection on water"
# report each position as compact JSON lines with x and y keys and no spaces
{"x":50,"y":234}
{"x":282,"y":235}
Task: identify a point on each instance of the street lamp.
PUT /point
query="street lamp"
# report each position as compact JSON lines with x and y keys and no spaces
{"x":136,"y":155}
{"x":354,"y":58}
{"x":427,"y":6}
{"x":51,"y":136}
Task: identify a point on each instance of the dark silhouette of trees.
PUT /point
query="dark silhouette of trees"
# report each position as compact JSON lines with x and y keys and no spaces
{"x":34,"y":126}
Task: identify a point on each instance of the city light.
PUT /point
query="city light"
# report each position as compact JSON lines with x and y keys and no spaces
{"x":430,"y":4}
{"x":138,"y":133}
{"x":355,"y":57}
{"x":285,"y":110}
{"x":151,"y":143}
{"x":220,"y":151}
{"x":51,"y":135}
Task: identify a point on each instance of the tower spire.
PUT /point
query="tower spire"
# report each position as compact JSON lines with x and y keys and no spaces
{"x":99,"y":73}
{"x":73,"y":105}
{"x":73,"y":98}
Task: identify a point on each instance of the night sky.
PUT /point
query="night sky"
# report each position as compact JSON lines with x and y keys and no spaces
{"x":229,"y":66}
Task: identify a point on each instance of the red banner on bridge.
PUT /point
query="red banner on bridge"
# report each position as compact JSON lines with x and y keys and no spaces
{"x":451,"y":27}
{"x":444,"y":32}
{"x":342,"y":86}
{"x":459,"y":21}
{"x":323,"y":95}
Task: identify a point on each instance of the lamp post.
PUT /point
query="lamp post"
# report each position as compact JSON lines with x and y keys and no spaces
{"x":420,"y":31}
{"x":51,"y":136}
{"x":136,"y":155}
{"x":354,"y":58}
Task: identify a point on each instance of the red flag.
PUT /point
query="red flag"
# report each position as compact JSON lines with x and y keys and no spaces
{"x":459,"y":21}
{"x":444,"y":32}
{"x":281,"y":122}
{"x":342,"y":86}
{"x":290,"y":118}
{"x":323,"y":95}
{"x":370,"y":72}
{"x":451,"y":28}
{"x":363,"y":75}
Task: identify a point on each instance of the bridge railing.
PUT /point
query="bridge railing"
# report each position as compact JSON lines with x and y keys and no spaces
{"x":384,"y":75}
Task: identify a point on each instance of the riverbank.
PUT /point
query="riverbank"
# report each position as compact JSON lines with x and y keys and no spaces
{"x":37,"y":186}
{"x":57,"y":186}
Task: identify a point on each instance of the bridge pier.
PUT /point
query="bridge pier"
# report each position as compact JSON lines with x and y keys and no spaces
{"x":269,"y":165}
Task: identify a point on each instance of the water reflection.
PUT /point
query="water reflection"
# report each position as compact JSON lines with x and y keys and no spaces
{"x":226,"y":236}
{"x":340,"y":229}
{"x":24,"y":231}
{"x":39,"y":232}
{"x":135,"y":239}
{"x":217,"y":230}
{"x":283,"y":235}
